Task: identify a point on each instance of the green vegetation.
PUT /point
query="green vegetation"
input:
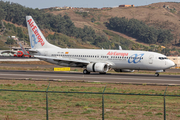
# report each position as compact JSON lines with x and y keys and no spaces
{"x":93,"y":19}
{"x":117,"y":40}
{"x":12,"y":30}
{"x":61,"y":31}
{"x":84,"y":14}
{"x":148,"y":114}
{"x":159,"y":114}
{"x":2,"y":15}
{"x":140,"y":30}
{"x":57,"y":23}
{"x":126,"y":44}
{"x":21,"y":105}
{"x":10,"y":41}
{"x":173,"y":10}
{"x":88,"y":111}
{"x":97,"y":23}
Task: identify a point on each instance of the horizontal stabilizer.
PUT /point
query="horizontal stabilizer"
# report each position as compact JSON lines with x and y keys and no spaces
{"x":33,"y":51}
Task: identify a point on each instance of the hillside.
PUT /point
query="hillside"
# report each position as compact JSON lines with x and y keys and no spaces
{"x":63,"y":40}
{"x":153,"y":15}
{"x":68,"y":28}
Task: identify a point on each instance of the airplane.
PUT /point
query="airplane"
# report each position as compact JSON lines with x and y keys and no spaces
{"x":94,"y":60}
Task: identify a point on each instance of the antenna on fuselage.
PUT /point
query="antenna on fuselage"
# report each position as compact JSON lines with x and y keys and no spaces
{"x":120,"y":48}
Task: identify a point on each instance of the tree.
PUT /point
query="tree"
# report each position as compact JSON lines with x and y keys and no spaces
{"x":93,"y":19}
{"x":139,"y":30}
{"x":20,"y":32}
{"x":84,"y":14}
{"x":10,"y":41}
{"x":2,"y":14}
{"x":164,"y":36}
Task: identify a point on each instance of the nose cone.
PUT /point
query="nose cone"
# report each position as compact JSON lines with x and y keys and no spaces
{"x":171,"y":64}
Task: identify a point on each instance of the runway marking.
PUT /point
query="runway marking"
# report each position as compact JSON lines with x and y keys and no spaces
{"x":32,"y":75}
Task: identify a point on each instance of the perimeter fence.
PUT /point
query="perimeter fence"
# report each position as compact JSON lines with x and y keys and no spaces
{"x":96,"y":93}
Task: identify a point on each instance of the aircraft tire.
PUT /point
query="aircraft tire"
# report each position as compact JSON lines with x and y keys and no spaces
{"x":85,"y":72}
{"x":156,"y":74}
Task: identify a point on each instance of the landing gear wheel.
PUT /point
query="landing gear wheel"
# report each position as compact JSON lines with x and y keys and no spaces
{"x":157,"y":74}
{"x":85,"y":72}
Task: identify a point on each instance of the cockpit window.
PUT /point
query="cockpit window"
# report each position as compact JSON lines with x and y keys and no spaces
{"x":162,"y":58}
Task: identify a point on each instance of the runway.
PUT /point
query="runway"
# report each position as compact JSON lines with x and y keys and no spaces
{"x":94,"y":77}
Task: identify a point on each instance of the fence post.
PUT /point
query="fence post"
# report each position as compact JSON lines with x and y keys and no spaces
{"x":47,"y":117}
{"x":165,"y":104}
{"x":103,"y":104}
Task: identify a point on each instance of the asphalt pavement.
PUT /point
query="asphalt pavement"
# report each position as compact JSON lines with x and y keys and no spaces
{"x":93,"y":77}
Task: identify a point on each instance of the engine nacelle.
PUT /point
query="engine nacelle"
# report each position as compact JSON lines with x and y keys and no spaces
{"x":97,"y":67}
{"x":123,"y":70}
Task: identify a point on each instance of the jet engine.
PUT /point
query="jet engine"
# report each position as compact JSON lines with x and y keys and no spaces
{"x":97,"y":67}
{"x":123,"y":70}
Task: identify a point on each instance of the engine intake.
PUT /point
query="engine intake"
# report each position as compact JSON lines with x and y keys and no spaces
{"x":97,"y":67}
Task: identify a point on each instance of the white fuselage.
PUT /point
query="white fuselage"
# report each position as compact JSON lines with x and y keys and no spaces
{"x":118,"y":59}
{"x":94,"y":60}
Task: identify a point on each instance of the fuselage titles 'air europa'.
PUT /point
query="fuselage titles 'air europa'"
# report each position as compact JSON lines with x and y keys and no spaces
{"x":94,"y":60}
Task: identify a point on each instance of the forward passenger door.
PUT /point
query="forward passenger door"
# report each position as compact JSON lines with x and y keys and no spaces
{"x":151,"y":59}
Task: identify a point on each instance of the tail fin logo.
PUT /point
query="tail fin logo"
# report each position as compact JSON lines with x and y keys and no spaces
{"x":36,"y":34}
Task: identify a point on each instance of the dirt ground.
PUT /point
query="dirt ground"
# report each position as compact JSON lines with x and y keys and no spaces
{"x":84,"y":107}
{"x":17,"y":105}
{"x":74,"y":84}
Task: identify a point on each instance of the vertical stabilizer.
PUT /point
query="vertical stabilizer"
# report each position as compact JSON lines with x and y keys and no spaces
{"x":37,"y":39}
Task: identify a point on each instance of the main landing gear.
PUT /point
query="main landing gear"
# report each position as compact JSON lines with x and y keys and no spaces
{"x":86,"y":72}
{"x":156,"y":74}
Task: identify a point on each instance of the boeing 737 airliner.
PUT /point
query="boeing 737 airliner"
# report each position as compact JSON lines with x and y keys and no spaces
{"x":94,"y":60}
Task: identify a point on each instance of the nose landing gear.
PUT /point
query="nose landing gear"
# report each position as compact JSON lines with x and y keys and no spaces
{"x":158,"y":71}
{"x":156,"y":74}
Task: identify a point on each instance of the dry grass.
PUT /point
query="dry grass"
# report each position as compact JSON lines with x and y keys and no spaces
{"x":18,"y":105}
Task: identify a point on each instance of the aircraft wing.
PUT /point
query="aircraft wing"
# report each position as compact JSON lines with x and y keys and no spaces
{"x":64,"y":60}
